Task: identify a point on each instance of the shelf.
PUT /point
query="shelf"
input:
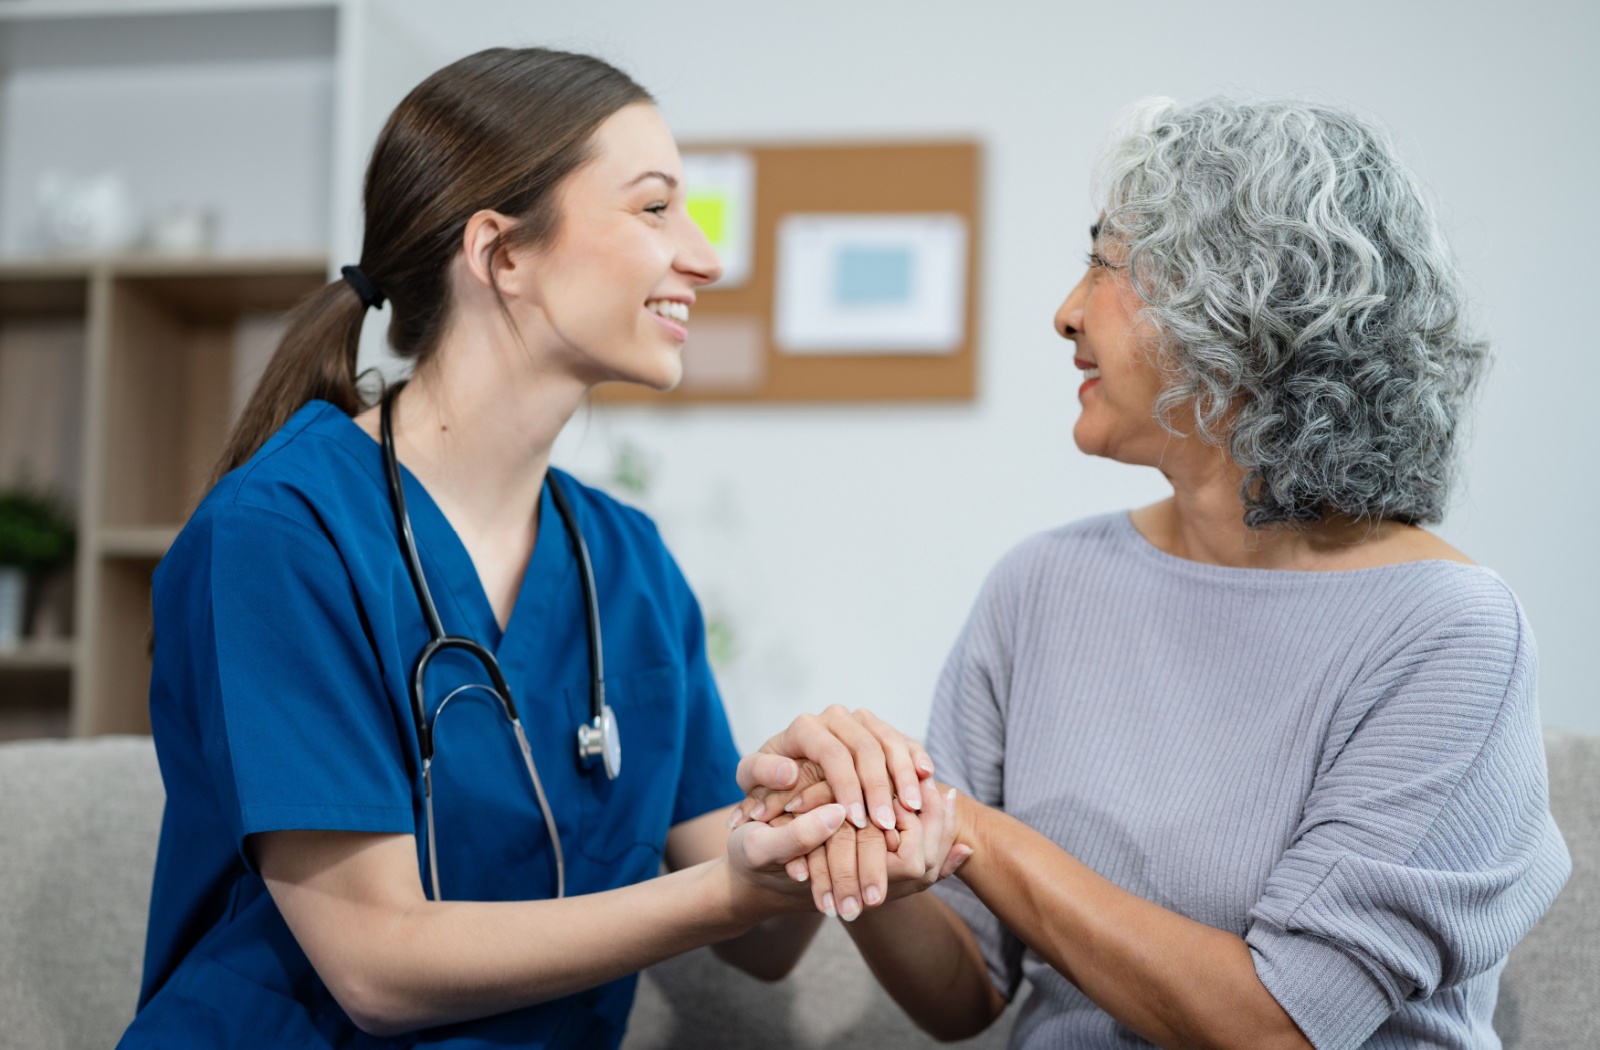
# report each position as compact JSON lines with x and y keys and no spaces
{"x":220,"y":289}
{"x":143,"y":543}
{"x":56,"y":654}
{"x":43,"y":290}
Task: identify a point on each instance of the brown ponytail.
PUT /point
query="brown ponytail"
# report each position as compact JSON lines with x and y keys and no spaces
{"x":498,"y":130}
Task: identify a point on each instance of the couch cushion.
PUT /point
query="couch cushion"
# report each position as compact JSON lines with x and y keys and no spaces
{"x":1550,"y":992}
{"x":79,"y":822}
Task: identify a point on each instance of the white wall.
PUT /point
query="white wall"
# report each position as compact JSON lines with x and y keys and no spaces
{"x":231,"y":113}
{"x":845,"y":544}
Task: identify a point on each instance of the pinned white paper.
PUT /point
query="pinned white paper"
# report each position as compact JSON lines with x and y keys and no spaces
{"x":720,"y":191}
{"x":871,"y":284}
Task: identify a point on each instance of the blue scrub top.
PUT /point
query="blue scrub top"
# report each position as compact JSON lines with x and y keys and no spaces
{"x":286,"y":628}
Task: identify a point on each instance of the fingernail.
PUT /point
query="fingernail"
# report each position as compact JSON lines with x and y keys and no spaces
{"x":793,"y":802}
{"x":913,"y":800}
{"x":858,"y":815}
{"x":849,"y":909}
{"x":827,"y":906}
{"x":735,"y":819}
{"x":832,"y":816}
{"x":924,"y":767}
{"x":791,"y":772}
{"x":885,"y":817}
{"x":805,"y":873}
{"x":950,"y":801}
{"x":963,"y":854}
{"x":873,"y":896}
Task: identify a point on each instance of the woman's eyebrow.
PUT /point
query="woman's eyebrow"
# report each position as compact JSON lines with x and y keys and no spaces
{"x":671,"y":182}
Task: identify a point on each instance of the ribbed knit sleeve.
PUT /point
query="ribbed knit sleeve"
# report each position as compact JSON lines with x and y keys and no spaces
{"x":1425,"y":849}
{"x":967,"y":741}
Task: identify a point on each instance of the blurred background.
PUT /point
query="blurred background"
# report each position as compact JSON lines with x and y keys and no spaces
{"x":173,"y":174}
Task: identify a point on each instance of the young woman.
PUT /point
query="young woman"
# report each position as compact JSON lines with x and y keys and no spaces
{"x":413,"y":797}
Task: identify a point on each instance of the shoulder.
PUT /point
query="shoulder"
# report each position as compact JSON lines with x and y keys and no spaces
{"x":304,"y":486}
{"x":1059,"y":552}
{"x":1445,"y":644}
{"x":608,"y":520}
{"x":620,"y":535}
{"x":308,"y":471}
{"x":1427,"y":606}
{"x":1024,"y":585}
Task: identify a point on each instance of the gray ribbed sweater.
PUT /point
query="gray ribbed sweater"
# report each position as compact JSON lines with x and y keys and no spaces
{"x":1343,"y":768}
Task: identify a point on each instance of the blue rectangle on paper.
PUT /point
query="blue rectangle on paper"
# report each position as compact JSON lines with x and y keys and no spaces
{"x":873,"y":275}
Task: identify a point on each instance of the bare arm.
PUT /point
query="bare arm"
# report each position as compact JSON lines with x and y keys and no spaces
{"x":1175,"y":981}
{"x":396,"y":961}
{"x":769,"y":950}
{"x":927,"y":959}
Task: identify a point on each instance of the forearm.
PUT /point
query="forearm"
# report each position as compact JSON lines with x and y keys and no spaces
{"x":929,"y":962}
{"x":1175,"y":981}
{"x":439,"y":962}
{"x":771,"y":949}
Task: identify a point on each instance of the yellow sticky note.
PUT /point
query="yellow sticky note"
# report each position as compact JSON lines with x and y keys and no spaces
{"x":707,"y":210}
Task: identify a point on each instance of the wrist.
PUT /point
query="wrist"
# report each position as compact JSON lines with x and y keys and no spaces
{"x":727,"y":903}
{"x":740,"y":905}
{"x":970,"y":814}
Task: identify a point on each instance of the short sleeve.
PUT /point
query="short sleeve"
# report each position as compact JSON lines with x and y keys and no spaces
{"x":966,"y":740}
{"x":709,"y":779}
{"x":298,"y":731}
{"x":1426,"y":847}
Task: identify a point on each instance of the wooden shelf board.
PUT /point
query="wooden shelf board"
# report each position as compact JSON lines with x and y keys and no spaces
{"x":56,"y":654}
{"x":140,"y":542}
{"x":220,"y":289}
{"x":43,"y":291}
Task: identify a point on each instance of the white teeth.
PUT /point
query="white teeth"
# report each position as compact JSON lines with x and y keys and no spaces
{"x":672,"y":311}
{"x":1091,"y":373}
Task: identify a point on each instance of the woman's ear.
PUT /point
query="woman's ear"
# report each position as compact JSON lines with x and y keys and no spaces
{"x":484,"y":249}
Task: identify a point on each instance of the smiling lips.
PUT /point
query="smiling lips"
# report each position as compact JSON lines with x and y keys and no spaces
{"x":673,"y":315}
{"x":671,"y":309}
{"x":1091,"y":373}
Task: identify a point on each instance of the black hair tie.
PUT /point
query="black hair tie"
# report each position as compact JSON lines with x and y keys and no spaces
{"x":370,"y":296}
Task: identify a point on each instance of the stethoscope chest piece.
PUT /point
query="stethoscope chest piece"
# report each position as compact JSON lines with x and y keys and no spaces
{"x":600,"y":739}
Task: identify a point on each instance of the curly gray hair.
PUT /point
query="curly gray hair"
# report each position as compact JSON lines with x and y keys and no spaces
{"x":1306,"y":306}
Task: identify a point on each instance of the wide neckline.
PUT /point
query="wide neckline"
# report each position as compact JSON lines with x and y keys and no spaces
{"x":451,"y":563}
{"x":1129,"y":532}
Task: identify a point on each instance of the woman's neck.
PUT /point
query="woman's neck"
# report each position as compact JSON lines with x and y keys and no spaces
{"x":475,"y":425}
{"x":1203,"y":521}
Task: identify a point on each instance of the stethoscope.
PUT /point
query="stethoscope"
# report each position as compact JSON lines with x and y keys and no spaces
{"x":597,"y":738}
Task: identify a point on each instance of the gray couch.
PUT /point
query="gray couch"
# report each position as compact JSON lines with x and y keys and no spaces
{"x":78,"y":823}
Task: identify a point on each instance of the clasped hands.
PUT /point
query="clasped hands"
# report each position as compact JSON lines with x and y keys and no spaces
{"x":894,"y":828}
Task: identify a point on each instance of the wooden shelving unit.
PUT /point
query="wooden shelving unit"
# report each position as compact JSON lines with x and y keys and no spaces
{"x":160,"y":389}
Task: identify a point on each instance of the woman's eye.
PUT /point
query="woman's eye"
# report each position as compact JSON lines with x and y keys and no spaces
{"x":1095,"y":260}
{"x":657,"y":209}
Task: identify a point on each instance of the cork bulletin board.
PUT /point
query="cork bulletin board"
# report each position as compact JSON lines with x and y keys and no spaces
{"x":732,"y":354}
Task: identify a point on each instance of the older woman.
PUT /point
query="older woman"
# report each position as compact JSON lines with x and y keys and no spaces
{"x":1258,"y":765}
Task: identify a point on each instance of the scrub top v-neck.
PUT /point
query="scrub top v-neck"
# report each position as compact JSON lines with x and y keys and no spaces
{"x":286,"y":627}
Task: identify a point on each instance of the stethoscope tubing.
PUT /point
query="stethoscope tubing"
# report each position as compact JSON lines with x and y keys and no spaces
{"x":602,"y":722}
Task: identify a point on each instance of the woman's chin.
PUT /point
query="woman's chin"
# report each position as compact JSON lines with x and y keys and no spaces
{"x":660,"y":373}
{"x":1089,"y":441}
{"x":667,"y":374}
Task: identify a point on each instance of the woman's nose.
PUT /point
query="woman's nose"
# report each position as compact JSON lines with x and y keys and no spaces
{"x":696,"y":256}
{"x":1069,"y":316}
